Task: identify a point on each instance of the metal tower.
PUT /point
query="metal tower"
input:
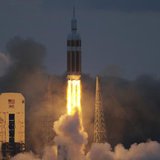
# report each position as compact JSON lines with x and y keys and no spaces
{"x":99,"y":124}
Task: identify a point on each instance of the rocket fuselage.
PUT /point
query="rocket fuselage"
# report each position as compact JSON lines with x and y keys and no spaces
{"x":74,"y":57}
{"x":74,"y":52}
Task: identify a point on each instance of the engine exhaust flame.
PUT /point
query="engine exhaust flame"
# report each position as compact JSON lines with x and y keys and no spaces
{"x":74,"y":97}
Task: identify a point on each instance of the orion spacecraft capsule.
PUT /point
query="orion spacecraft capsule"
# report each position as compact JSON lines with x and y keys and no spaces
{"x":73,"y":51}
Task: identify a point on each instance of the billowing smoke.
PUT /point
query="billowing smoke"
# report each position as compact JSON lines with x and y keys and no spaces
{"x":131,"y":107}
{"x":0,"y":150}
{"x":70,"y":137}
{"x":27,"y":58}
{"x":143,"y":151}
{"x":26,"y":74}
{"x":26,"y":156}
{"x":48,"y":154}
{"x":70,"y":141}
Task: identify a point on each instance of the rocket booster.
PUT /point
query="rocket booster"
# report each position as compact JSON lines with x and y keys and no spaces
{"x":73,"y":51}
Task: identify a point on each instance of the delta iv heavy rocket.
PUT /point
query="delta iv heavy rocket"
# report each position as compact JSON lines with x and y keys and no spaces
{"x":73,"y":80}
{"x":73,"y":51}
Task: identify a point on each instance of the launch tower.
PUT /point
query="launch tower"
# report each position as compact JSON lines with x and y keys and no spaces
{"x":99,"y":124}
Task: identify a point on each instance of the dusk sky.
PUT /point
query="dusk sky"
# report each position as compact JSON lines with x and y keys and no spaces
{"x":119,"y":37}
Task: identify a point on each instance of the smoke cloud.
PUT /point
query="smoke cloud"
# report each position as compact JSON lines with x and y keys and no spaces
{"x":71,"y":140}
{"x":25,"y":156}
{"x":131,"y":108}
{"x":43,"y":93}
{"x":143,"y":151}
{"x":71,"y":136}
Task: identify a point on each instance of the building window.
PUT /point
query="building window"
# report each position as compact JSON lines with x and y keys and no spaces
{"x":11,"y":117}
{"x":11,"y":128}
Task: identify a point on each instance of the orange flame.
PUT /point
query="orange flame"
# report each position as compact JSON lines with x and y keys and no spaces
{"x":73,"y":97}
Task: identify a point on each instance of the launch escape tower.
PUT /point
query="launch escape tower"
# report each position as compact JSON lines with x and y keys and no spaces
{"x":73,"y":51}
{"x":99,"y":124}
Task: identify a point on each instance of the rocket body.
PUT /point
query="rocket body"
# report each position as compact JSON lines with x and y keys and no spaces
{"x":74,"y":57}
{"x":73,"y":52}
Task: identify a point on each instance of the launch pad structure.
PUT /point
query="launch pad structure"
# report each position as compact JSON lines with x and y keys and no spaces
{"x":100,"y":135}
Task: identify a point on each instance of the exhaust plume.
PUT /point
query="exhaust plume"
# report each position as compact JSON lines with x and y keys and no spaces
{"x":70,"y":135}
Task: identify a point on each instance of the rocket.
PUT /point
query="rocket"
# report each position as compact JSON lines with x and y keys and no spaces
{"x":74,"y":51}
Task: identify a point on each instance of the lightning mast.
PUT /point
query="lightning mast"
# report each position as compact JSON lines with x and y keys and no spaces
{"x":99,"y":124}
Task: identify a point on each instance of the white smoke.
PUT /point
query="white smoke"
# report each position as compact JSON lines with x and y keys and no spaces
{"x":71,"y":136}
{"x":143,"y":151}
{"x":49,"y":154}
{"x":4,"y":63}
{"x":25,"y":156}
{"x":72,"y":139}
{"x":100,"y":152}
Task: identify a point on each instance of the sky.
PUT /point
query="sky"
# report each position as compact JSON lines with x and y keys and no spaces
{"x":119,"y":37}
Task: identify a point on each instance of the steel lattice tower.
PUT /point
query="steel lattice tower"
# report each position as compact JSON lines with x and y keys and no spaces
{"x":99,"y":124}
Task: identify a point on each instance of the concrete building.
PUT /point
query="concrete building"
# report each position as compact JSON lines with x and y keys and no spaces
{"x":12,"y":124}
